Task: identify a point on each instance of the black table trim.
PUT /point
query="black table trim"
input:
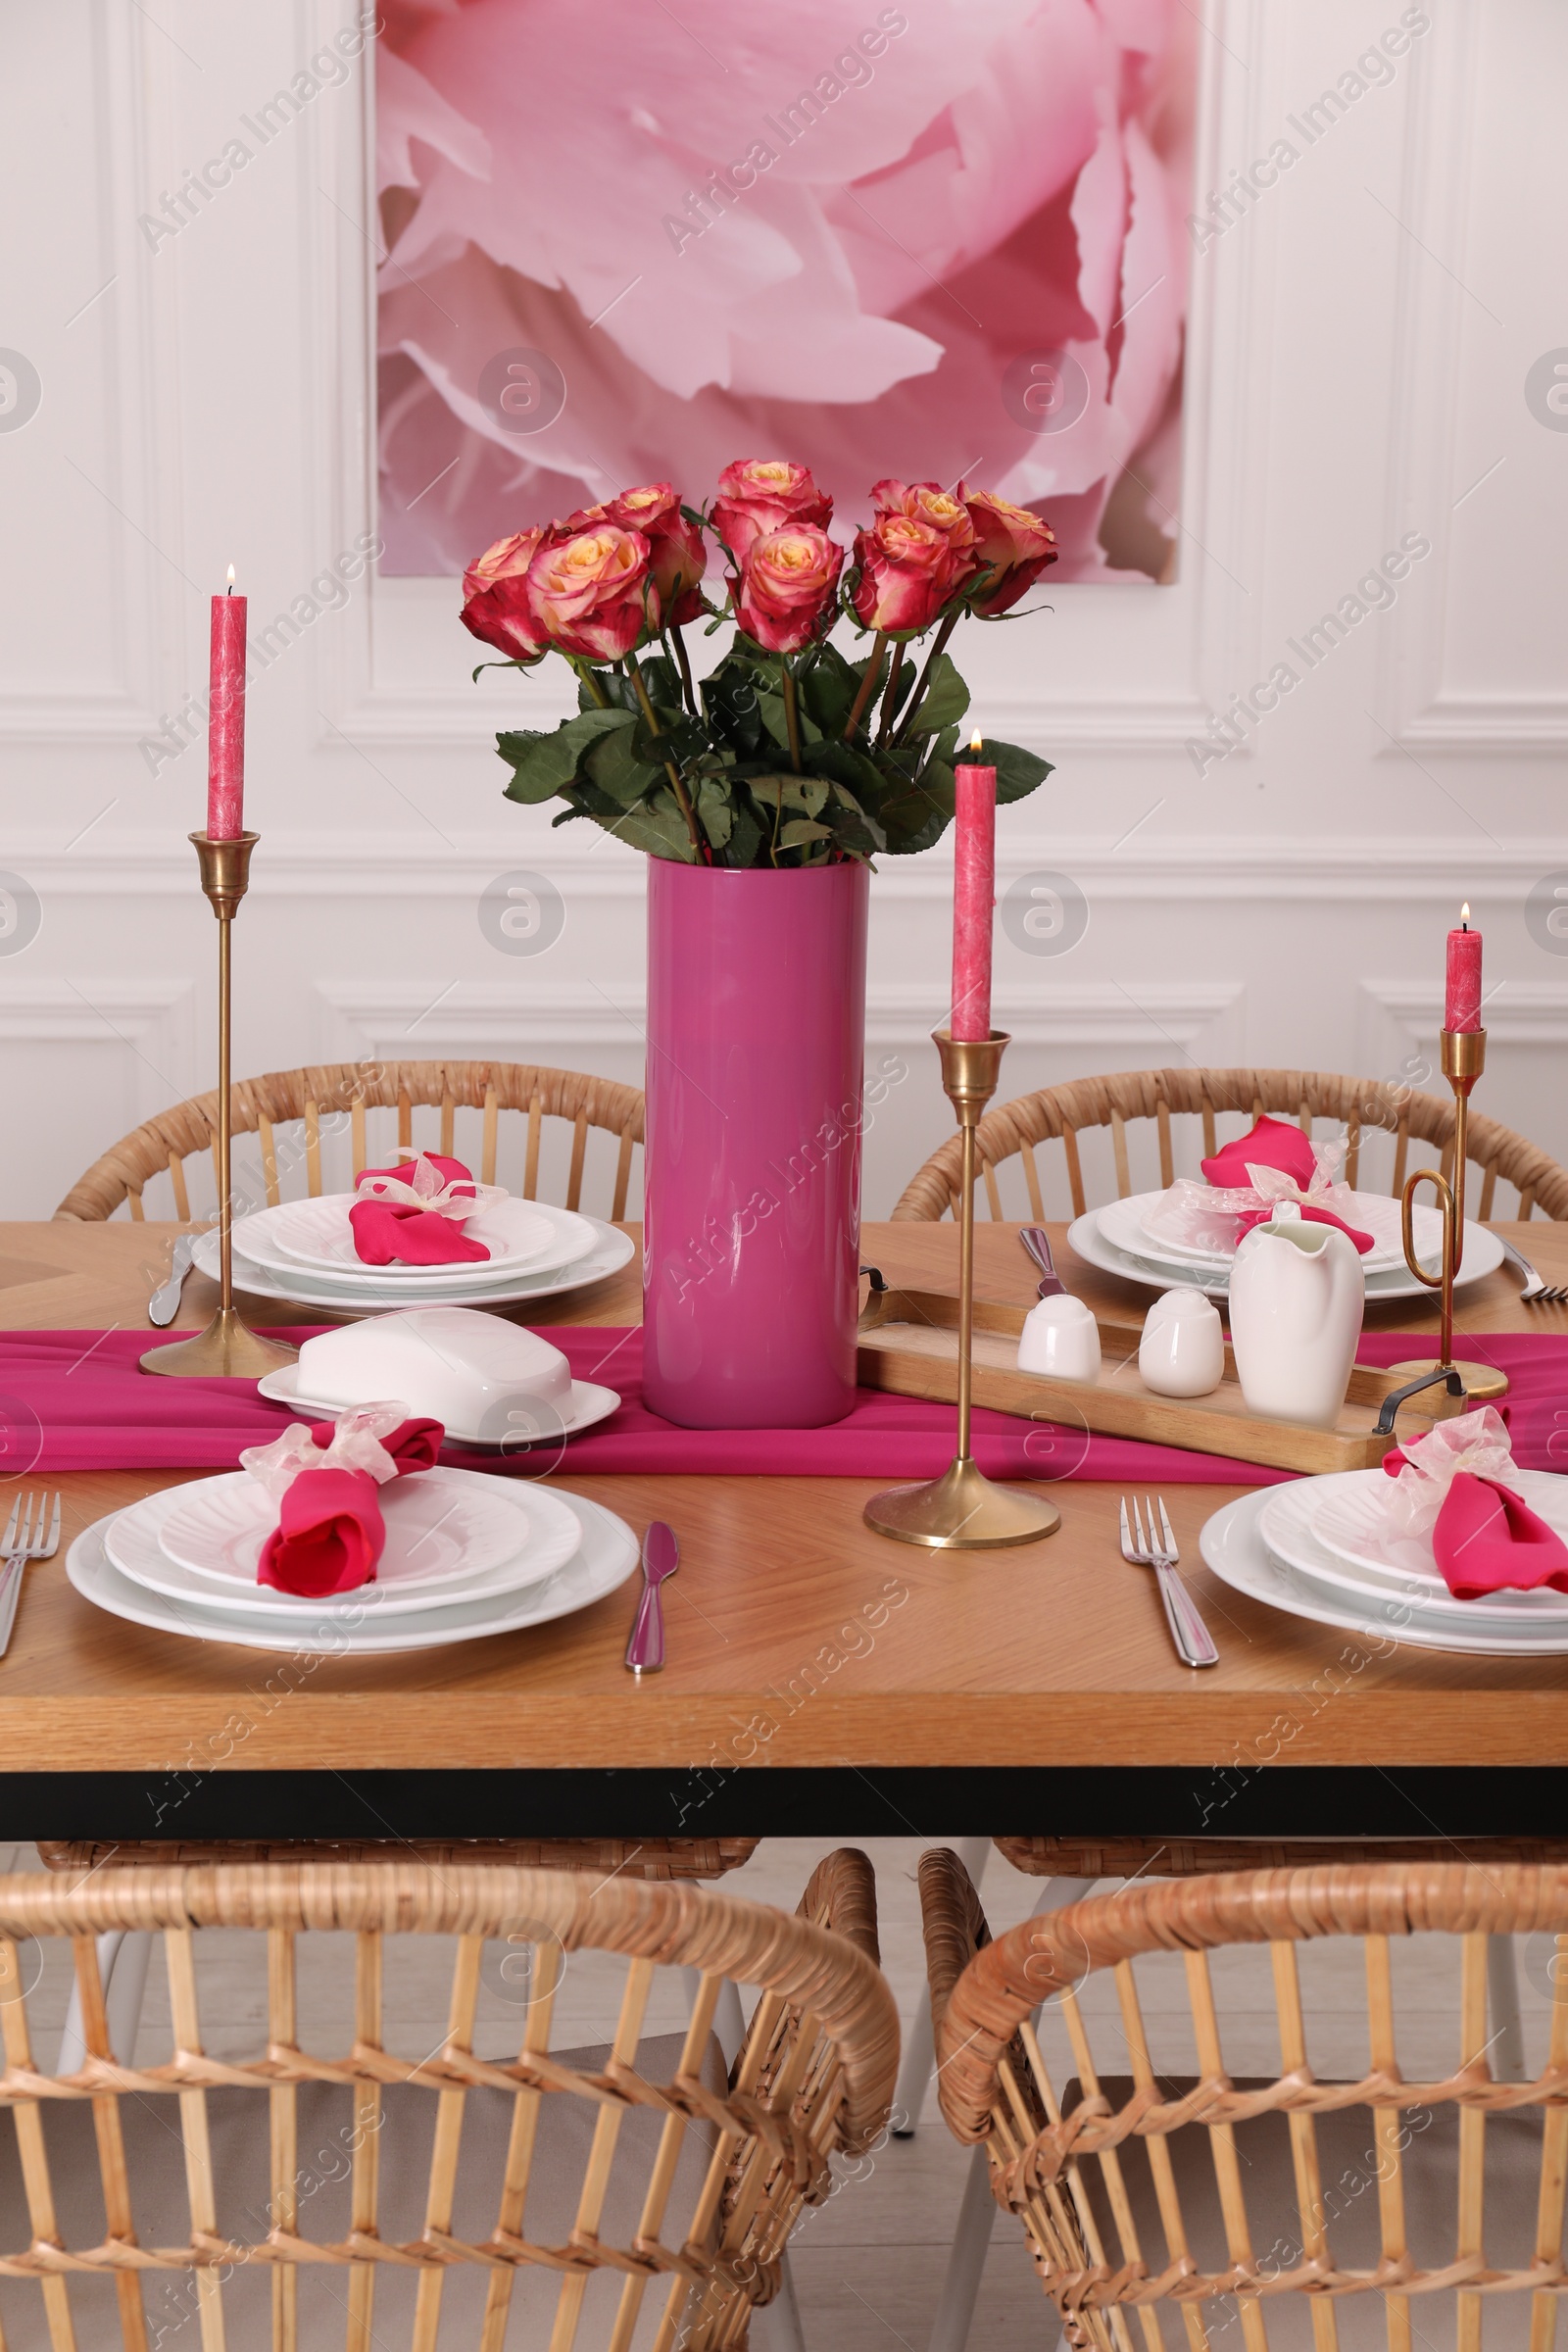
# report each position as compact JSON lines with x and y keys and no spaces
{"x":830,"y":1801}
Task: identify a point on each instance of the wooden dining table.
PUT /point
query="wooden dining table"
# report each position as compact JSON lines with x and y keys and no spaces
{"x":820,"y":1679}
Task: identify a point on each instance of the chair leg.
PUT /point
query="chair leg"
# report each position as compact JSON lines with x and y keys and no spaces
{"x":123,"y":1957}
{"x":776,"y":2327}
{"x":919,"y":2047}
{"x":1507,"y":2052}
{"x":961,"y":2288}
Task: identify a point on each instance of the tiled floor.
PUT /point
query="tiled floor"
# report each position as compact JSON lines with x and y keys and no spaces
{"x":870,"y":2264}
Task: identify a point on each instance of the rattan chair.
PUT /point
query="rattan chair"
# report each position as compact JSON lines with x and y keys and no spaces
{"x":1146,"y":2190}
{"x":315,"y":1106}
{"x":1351,"y":1106}
{"x":1070,"y":1868}
{"x":639,"y":2193}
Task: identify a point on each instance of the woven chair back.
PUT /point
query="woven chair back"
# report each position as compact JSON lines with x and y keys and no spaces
{"x":1363,"y":2179}
{"x":1186,"y":1111}
{"x":386,"y":2189}
{"x":350,"y":1115}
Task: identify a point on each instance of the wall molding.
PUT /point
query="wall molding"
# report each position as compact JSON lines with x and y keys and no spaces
{"x":1286,"y":868}
{"x":396,"y":1019}
{"x":153,"y":1020}
{"x":1432,"y":319}
{"x":1518,"y":1012}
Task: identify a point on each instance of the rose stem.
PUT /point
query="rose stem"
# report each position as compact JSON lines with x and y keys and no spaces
{"x":924,"y":679}
{"x":590,"y":679}
{"x":702,"y":848}
{"x":791,"y":715}
{"x":867,"y":687}
{"x":889,"y":697}
{"x":685,"y":673}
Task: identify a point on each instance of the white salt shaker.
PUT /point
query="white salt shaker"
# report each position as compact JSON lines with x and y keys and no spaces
{"x":1182,"y":1353}
{"x":1060,"y":1339}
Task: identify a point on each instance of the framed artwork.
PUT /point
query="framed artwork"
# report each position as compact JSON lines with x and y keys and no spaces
{"x":626,"y":242}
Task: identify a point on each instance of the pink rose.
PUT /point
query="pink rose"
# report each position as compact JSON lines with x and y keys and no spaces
{"x":495,"y":598}
{"x":1014,"y":543}
{"x":909,"y":570}
{"x":788,"y":588}
{"x":679,"y":554}
{"x":594,"y":594}
{"x":761,"y":494}
{"x":926,"y":501}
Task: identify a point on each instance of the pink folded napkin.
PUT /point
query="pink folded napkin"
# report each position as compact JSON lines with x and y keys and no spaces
{"x":412,"y":1214}
{"x":330,"y":1533}
{"x":1274,"y":1143}
{"x":1484,"y":1538}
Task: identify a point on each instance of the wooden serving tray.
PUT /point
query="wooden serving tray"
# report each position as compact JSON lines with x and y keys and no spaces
{"x":909,"y":1343}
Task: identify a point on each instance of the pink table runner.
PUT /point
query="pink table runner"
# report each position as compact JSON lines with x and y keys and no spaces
{"x":75,"y":1400}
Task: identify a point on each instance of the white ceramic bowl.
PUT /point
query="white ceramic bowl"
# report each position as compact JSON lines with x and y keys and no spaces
{"x":463,"y":1367}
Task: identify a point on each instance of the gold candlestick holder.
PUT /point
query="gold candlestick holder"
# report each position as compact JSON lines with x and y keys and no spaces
{"x":962,"y":1510}
{"x":1464,"y":1057}
{"x":227,"y":1348}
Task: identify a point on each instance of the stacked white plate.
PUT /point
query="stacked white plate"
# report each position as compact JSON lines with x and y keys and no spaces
{"x":304,"y":1250}
{"x":466,"y":1555}
{"x":1321,"y":1549}
{"x":1119,"y":1239}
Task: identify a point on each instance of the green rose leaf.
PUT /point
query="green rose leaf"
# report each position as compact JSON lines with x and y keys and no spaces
{"x":616,"y":765}
{"x":944,"y":703}
{"x":543,"y":764}
{"x":1019,"y":771}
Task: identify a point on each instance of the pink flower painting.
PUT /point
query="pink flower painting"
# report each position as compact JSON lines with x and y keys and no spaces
{"x":937,"y":243}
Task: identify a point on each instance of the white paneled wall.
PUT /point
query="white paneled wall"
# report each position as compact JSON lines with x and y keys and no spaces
{"x":1361,"y":339}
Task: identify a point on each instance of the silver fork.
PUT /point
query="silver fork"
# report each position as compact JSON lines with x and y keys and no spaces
{"x":1194,"y":1643}
{"x":25,"y":1540}
{"x":1536,"y":1292}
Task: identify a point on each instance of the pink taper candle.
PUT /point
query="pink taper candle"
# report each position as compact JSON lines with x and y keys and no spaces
{"x":1462,"y":1004}
{"x":225,"y":724}
{"x":974,"y":884}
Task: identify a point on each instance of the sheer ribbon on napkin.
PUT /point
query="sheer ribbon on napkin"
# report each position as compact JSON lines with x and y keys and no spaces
{"x":414,"y":1212}
{"x":1245,"y":1183}
{"x":1484,"y":1538}
{"x":330,"y":1533}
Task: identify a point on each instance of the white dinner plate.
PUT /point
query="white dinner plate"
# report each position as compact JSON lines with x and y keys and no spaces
{"x":523,"y":1237}
{"x":1482,"y":1255}
{"x":611,"y":1252}
{"x":133,"y":1541}
{"x":521,"y":1423}
{"x":1290,"y":1526}
{"x":1334,"y":1529}
{"x":603,"y":1559}
{"x":1233,"y":1547}
{"x":1125,"y":1223}
{"x":439,"y":1523}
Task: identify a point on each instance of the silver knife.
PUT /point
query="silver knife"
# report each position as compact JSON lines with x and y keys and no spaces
{"x":1037,"y":1241}
{"x":644,"y":1651}
{"x":164,"y":1305}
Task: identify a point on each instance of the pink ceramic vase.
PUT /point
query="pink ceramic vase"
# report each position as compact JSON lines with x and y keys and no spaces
{"x":756,"y":1045}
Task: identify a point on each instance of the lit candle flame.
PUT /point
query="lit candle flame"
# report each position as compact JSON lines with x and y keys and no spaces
{"x":977,"y":742}
{"x":1464,"y":914}
{"x":232,"y":579}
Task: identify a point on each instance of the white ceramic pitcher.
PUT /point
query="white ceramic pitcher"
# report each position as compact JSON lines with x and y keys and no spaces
{"x":1297,"y":1298}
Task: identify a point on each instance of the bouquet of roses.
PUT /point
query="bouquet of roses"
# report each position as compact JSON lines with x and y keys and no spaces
{"x":787,"y":753}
